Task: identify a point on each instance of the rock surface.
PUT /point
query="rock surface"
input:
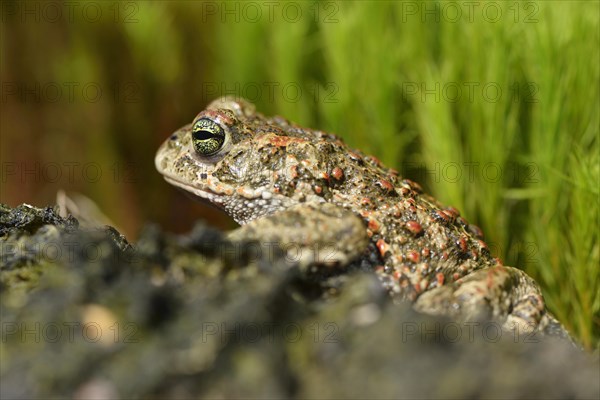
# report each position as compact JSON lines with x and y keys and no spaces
{"x":85,"y":314}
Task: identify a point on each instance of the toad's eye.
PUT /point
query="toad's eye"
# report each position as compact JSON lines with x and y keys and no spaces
{"x":207,"y":137}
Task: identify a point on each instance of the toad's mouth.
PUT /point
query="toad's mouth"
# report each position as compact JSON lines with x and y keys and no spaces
{"x":203,"y":193}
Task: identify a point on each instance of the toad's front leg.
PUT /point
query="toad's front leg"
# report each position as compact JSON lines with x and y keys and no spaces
{"x":311,"y":234}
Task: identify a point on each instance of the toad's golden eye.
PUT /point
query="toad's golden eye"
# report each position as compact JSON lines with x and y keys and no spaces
{"x":207,"y":137}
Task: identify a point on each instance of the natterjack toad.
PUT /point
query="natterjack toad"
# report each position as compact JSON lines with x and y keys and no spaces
{"x":288,"y":184}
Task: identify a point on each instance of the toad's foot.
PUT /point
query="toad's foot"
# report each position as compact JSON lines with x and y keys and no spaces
{"x":501,"y":293}
{"x":310,"y":234}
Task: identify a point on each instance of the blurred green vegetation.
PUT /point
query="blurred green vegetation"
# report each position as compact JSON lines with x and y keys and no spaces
{"x":492,"y":106}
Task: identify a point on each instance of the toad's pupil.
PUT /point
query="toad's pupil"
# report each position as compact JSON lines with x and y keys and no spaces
{"x":203,"y":135}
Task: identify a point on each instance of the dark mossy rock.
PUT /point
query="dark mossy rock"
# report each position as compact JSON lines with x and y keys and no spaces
{"x":87,"y":314}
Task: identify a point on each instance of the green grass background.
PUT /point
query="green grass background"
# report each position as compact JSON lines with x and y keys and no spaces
{"x":391,"y":82}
